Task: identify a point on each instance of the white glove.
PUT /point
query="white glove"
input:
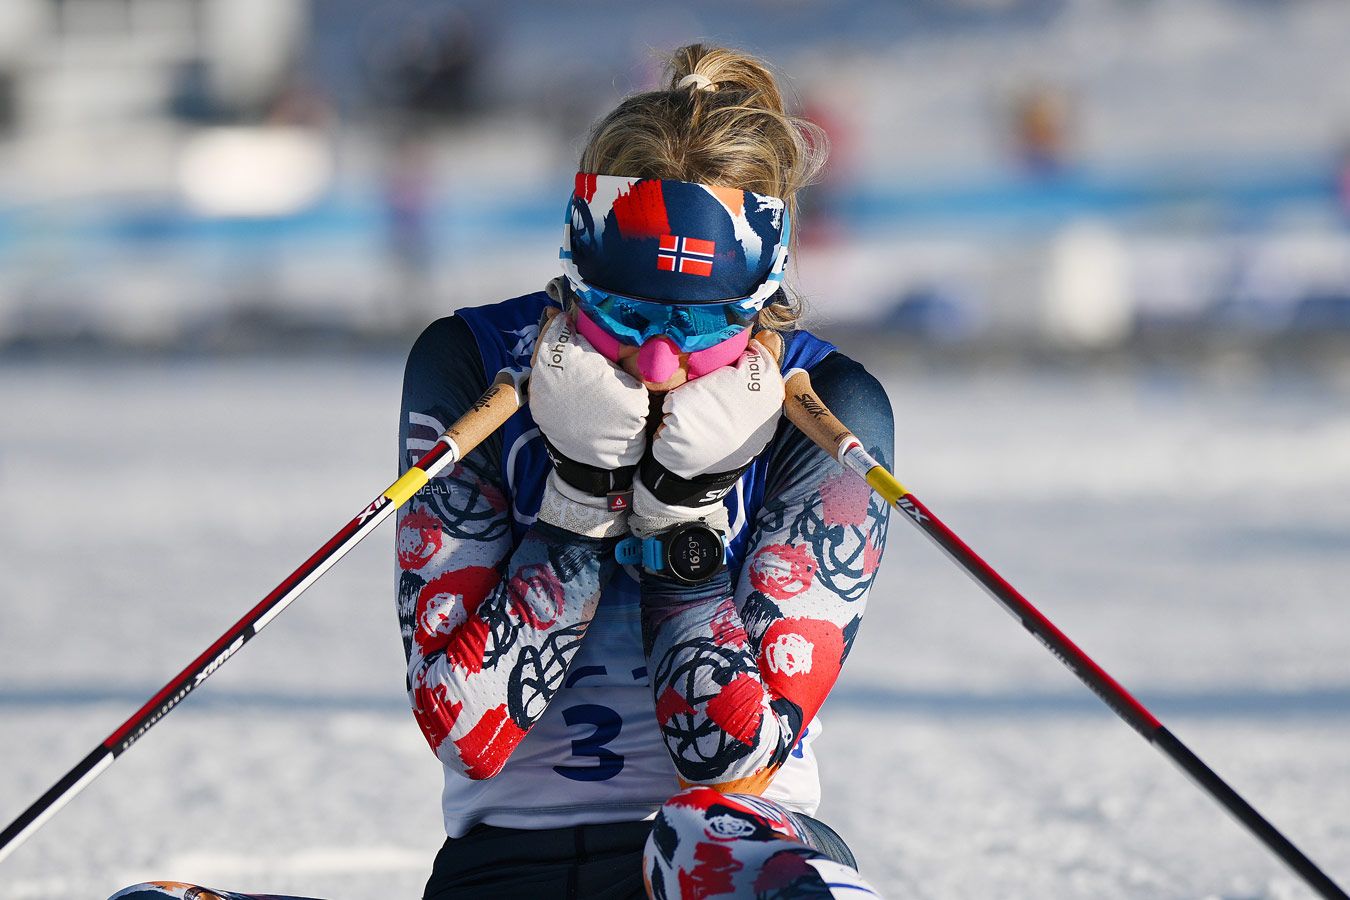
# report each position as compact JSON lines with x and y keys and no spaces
{"x":713,"y":425}
{"x":594,"y":414}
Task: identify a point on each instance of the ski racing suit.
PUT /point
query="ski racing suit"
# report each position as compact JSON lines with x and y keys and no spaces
{"x":564,"y":692}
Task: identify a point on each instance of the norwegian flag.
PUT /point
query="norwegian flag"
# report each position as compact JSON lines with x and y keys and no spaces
{"x":691,"y":256}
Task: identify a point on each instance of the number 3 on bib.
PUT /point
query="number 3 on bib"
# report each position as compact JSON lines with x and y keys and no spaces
{"x":606,"y":724}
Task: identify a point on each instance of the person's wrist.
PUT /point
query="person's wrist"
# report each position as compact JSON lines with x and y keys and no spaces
{"x":651,"y":515}
{"x":579,"y":512}
{"x":678,"y":549}
{"x":668,"y":494}
{"x":662,"y":589}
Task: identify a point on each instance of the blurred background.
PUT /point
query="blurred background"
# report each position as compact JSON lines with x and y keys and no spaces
{"x":1097,"y":251}
{"x":202,"y":174}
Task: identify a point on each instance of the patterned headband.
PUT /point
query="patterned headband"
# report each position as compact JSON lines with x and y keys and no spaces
{"x":673,"y":241}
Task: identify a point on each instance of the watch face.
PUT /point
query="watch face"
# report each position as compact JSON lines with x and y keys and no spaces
{"x":695,"y":554}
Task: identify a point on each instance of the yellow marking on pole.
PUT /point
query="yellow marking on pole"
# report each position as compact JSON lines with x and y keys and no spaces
{"x":408,"y":484}
{"x":885,"y":484}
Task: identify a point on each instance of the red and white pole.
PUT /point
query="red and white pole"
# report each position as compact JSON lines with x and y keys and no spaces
{"x":502,"y":399}
{"x":809,"y":413}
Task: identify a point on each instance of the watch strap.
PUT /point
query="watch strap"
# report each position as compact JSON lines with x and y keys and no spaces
{"x":649,"y":553}
{"x":654,"y":555}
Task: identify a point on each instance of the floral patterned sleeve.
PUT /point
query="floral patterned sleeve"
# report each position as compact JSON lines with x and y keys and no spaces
{"x":489,"y":625}
{"x":740,"y":669}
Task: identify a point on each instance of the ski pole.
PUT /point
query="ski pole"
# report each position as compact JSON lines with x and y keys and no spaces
{"x":806,"y":410}
{"x":489,"y":412}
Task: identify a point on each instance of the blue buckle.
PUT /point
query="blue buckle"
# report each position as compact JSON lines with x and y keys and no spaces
{"x":628,"y":552}
{"x":648,"y":553}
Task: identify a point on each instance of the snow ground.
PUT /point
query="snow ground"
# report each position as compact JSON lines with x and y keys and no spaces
{"x":1190,"y":532}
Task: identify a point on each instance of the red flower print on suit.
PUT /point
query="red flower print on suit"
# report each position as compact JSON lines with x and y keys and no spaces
{"x":738,"y":709}
{"x":782,"y":571}
{"x":536,"y":596}
{"x":445,"y":615}
{"x":726,"y":626}
{"x":714,"y":866}
{"x":789,"y":654}
{"x":419,"y":539}
{"x":434,"y":712}
{"x":871,"y":556}
{"x":488,"y":744}
{"x":670,"y":704}
{"x":780,"y":871}
{"x":800,"y":659}
{"x":844,"y":499}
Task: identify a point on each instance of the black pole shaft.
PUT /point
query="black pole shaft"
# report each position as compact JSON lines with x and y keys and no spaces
{"x":211,"y":659}
{"x":502,"y":398}
{"x":1245,"y":813}
{"x":1116,"y":697}
{"x":54,"y":798}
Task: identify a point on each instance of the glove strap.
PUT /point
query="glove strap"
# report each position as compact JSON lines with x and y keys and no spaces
{"x":672,"y":489}
{"x":590,"y":479}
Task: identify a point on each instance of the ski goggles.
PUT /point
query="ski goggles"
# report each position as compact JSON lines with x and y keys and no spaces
{"x":653,"y":258}
{"x":690,"y":328}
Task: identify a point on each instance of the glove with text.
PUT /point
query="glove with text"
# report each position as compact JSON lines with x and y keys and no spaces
{"x":593,"y":417}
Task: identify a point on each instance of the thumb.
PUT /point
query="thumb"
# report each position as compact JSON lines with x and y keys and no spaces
{"x":550,"y":325}
{"x":771,"y":341}
{"x":758,"y":369}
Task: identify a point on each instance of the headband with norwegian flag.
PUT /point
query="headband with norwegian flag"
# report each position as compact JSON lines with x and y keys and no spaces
{"x":673,"y":242}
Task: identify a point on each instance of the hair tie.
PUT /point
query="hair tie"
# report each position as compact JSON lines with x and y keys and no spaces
{"x":695,"y":82}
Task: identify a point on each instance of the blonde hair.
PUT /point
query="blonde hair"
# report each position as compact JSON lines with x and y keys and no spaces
{"x":720,"y":120}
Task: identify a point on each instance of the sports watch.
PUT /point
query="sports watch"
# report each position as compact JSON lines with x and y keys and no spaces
{"x":691,"y":553}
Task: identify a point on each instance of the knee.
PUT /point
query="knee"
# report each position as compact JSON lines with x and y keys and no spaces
{"x":702,"y":813}
{"x":679,"y":820}
{"x":688,"y":811}
{"x":692,"y":801}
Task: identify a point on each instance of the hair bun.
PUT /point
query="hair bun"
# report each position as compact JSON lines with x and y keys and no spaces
{"x":696,"y":82}
{"x":698,"y":67}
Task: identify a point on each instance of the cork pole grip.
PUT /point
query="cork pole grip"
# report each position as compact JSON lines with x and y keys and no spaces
{"x":488,"y":413}
{"x":810,"y":414}
{"x":803,"y":408}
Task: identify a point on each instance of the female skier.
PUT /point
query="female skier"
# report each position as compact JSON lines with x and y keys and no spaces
{"x":623,"y":611}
